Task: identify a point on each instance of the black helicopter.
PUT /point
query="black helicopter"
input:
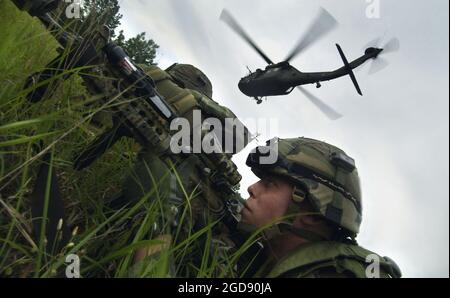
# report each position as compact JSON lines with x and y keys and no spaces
{"x":281,"y":78}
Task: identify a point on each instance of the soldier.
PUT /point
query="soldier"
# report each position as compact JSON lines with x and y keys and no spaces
{"x":311,"y":200}
{"x":186,"y":89}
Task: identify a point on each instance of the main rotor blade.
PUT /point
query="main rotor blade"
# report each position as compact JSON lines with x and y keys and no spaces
{"x":230,"y":21}
{"x":323,"y":24}
{"x":327,"y":110}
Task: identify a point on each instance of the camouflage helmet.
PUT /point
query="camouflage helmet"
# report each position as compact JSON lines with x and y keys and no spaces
{"x":190,"y":77}
{"x":321,"y":173}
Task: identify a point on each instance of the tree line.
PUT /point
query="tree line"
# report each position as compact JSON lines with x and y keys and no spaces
{"x":139,"y":48}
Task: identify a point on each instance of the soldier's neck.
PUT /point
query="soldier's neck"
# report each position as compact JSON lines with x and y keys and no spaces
{"x":283,"y":245}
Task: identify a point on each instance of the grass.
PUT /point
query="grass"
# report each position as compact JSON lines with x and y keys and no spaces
{"x":105,"y":239}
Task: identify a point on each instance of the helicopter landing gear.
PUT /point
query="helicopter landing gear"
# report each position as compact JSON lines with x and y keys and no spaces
{"x":318,"y":85}
{"x":258,"y":100}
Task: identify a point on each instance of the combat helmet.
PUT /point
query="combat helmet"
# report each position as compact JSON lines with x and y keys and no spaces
{"x":321,"y":173}
{"x":190,"y":77}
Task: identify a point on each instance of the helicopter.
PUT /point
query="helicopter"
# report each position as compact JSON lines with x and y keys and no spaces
{"x":282,"y":78}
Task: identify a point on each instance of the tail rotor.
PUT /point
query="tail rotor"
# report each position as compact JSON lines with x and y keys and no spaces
{"x":379,"y":63}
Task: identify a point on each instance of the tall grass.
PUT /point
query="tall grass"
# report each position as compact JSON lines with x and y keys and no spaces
{"x":105,"y":239}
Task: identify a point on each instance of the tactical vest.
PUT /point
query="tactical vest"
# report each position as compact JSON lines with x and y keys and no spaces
{"x":342,"y":260}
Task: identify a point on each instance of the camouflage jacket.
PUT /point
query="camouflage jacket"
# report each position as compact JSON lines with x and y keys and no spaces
{"x":330,"y":260}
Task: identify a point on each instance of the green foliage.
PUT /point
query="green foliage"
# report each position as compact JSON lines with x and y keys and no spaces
{"x":105,"y":12}
{"x":141,"y":50}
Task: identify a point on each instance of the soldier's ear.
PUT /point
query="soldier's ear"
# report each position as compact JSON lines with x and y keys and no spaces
{"x":310,"y":220}
{"x":309,"y":217}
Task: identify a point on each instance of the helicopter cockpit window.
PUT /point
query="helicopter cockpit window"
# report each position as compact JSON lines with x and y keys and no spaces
{"x":275,"y":69}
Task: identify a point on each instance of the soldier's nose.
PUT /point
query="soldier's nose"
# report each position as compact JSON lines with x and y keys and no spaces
{"x":251,"y":190}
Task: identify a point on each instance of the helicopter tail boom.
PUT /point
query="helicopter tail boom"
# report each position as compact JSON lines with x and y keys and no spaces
{"x":349,"y":69}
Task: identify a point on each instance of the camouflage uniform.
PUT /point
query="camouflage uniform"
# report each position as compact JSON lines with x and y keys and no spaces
{"x":326,"y":177}
{"x":171,"y":177}
{"x":186,"y":89}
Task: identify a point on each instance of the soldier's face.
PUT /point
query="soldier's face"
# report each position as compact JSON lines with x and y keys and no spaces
{"x":269,"y":200}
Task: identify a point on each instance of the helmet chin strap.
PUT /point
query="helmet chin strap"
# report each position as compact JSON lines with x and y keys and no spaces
{"x":306,"y":234}
{"x":285,"y":227}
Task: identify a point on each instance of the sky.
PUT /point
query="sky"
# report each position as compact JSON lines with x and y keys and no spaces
{"x":398,"y":132}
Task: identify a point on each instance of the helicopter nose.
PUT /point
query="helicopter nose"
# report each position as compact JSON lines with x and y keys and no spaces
{"x":244,"y":87}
